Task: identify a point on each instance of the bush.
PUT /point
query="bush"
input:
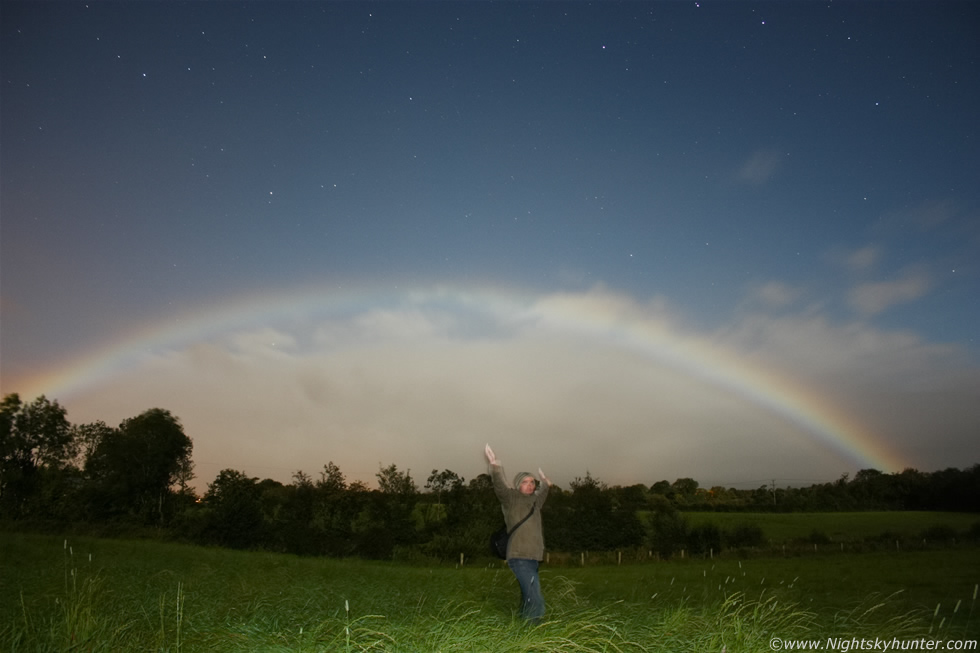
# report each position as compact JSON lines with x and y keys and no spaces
{"x":745,"y":536}
{"x":939,"y":532}
{"x":817,"y":537}
{"x":704,"y":538}
{"x":448,"y":546}
{"x":886,"y":537}
{"x":667,"y":533}
{"x":973,"y":533}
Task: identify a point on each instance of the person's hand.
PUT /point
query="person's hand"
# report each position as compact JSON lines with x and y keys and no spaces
{"x":492,"y":459}
{"x":544,"y":478}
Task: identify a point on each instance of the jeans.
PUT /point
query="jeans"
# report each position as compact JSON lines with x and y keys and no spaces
{"x":532,"y":601}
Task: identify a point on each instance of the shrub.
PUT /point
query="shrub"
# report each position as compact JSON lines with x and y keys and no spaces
{"x":744,"y":536}
{"x":704,"y":538}
{"x":667,"y":533}
{"x":939,"y":532}
{"x":817,"y":537}
{"x":973,"y":532}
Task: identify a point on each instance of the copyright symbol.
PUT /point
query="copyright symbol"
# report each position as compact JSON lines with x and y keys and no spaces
{"x":776,"y":644}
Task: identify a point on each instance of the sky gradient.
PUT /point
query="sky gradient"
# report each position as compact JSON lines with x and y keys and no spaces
{"x":738,"y":242}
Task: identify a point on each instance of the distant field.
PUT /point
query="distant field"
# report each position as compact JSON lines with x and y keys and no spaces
{"x":108,"y":595}
{"x":838,"y":526}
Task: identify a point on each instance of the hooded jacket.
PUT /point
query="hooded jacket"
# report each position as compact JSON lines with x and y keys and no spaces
{"x":526,"y":542}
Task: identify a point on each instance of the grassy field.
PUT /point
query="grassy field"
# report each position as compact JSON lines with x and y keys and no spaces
{"x":840,"y":526}
{"x":110,"y":595}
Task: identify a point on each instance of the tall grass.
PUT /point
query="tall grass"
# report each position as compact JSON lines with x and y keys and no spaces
{"x":103,"y":595}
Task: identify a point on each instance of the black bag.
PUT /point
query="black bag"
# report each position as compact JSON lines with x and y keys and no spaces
{"x":498,"y":541}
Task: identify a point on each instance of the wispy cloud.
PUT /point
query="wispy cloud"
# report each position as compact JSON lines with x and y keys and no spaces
{"x":863,"y":259}
{"x":869,"y":299}
{"x":773,"y":294}
{"x":759,"y":167}
{"x":926,"y":216}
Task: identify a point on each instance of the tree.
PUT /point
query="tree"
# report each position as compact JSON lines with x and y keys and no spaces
{"x":302,"y":499}
{"x":685,"y":487}
{"x":482,"y":505}
{"x":392,"y":481}
{"x":870,"y":488}
{"x":134,"y":467}
{"x":185,"y":474}
{"x":35,"y":439}
{"x":87,"y":439}
{"x":234,"y":516}
{"x":385,"y":522}
{"x":336,"y":506}
{"x":331,"y":481}
{"x":444,"y":481}
{"x":591,"y":514}
{"x":667,"y":529}
{"x":704,"y":539}
{"x":331,"y":514}
{"x":661,"y":487}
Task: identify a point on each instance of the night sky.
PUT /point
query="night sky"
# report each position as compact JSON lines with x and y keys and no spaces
{"x":732,"y":241}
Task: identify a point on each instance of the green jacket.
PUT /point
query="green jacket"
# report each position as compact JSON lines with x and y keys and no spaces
{"x":527,"y":541}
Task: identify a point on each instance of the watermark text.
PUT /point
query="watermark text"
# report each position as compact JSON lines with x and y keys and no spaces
{"x":845,"y":644}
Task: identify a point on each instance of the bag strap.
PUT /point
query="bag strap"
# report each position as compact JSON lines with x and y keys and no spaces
{"x":518,"y":524}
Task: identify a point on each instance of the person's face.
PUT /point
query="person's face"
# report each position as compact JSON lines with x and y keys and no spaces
{"x":527,"y":485}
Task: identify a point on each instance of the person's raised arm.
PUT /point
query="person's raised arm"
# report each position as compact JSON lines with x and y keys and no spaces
{"x":544,"y":479}
{"x":491,"y":458}
{"x":500,"y":486}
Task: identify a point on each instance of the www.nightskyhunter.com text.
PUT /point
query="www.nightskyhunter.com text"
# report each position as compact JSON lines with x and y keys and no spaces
{"x":845,"y":644}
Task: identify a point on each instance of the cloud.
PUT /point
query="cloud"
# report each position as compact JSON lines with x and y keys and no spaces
{"x":759,"y":167}
{"x":773,"y":294}
{"x":870,"y":299}
{"x":843,"y":359}
{"x":918,"y":397}
{"x":923,"y":217}
{"x":863,"y":259}
{"x":596,"y":381}
{"x":858,"y":261}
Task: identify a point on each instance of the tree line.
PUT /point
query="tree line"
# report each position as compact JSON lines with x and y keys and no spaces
{"x":138,"y":474}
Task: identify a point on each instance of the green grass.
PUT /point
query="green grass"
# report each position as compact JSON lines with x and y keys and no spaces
{"x":110,"y":595}
{"x":838,"y":526}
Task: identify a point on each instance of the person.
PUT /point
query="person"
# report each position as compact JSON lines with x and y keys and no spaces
{"x":525,"y":547}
